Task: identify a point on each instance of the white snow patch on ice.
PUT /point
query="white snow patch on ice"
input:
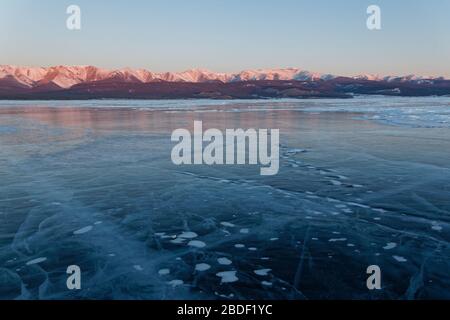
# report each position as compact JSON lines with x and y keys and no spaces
{"x":262,"y":272}
{"x":188,"y":235}
{"x":197,"y":244}
{"x":435,"y":226}
{"x":399,"y":259}
{"x":176,"y":283}
{"x":227,"y":224}
{"x":83,"y":230}
{"x":36,"y":261}
{"x":164,"y":272}
{"x":354,"y":204}
{"x":224,"y":261}
{"x":178,"y":240}
{"x":202,"y":267}
{"x":228,"y":276}
{"x":338,"y":240}
{"x":390,"y":246}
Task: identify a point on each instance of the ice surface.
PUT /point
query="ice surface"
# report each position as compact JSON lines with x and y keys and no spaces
{"x":66,"y":166}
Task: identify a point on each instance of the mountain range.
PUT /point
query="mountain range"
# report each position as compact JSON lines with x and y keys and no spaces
{"x":89,"y":82}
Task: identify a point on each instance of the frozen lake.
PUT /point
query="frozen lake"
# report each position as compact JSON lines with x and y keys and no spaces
{"x":91,"y":183}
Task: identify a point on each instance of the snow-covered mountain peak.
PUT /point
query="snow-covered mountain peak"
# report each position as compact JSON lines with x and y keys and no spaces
{"x":68,"y":76}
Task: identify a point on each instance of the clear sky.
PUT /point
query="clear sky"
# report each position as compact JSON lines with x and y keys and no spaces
{"x":230,"y":35}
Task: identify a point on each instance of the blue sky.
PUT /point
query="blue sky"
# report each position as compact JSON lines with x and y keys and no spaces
{"x":231,"y":35}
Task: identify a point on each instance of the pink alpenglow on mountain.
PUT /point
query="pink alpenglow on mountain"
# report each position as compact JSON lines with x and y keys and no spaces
{"x":89,"y":82}
{"x":68,"y":76}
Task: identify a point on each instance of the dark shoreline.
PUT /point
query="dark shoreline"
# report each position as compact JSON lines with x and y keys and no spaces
{"x":339,"y":88}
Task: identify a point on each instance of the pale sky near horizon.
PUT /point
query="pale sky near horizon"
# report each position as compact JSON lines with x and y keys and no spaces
{"x":327,"y":36}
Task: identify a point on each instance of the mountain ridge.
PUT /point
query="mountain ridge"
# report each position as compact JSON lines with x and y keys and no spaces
{"x":89,"y":82}
{"x":68,"y":76}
